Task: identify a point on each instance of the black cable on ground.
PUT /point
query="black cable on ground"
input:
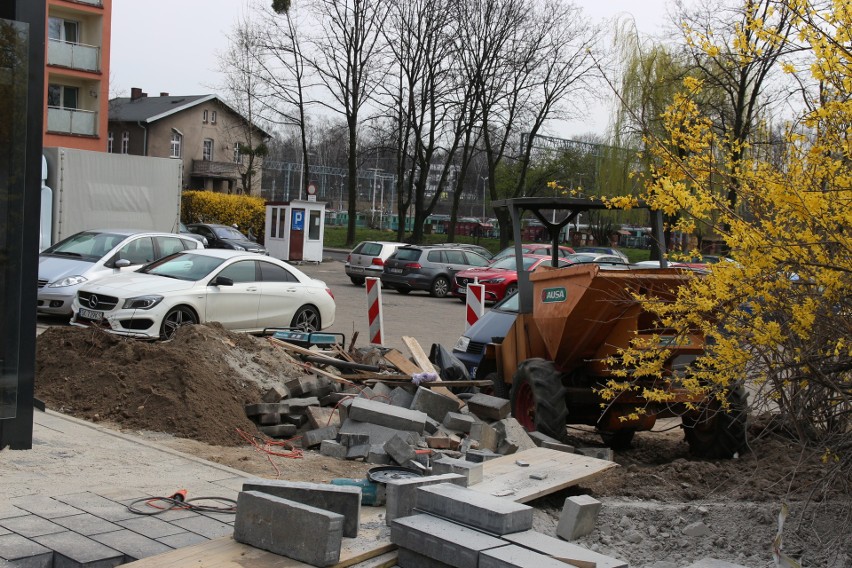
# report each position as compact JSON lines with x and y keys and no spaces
{"x":163,"y":504}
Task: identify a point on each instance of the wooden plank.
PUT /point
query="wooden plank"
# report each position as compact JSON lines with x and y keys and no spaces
{"x":399,"y":361}
{"x":419,"y":355}
{"x":561,"y":469}
{"x":426,"y":365}
{"x":373,"y":540}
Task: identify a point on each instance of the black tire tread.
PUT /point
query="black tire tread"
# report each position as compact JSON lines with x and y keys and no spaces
{"x":551,"y":411}
{"x":724,"y":432}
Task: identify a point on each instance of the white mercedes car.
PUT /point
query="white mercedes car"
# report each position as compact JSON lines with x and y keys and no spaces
{"x":241,"y":290}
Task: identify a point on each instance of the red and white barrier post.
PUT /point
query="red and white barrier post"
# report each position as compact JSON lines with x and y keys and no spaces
{"x":475,"y":303}
{"x":374,"y":310}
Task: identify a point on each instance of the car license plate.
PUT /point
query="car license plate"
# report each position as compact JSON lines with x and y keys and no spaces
{"x":356,"y":269}
{"x":395,"y":270}
{"x":91,"y":315}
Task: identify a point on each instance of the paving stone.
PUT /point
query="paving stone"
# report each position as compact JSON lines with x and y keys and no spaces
{"x":72,"y":549}
{"x":267,"y":408}
{"x":133,"y":545}
{"x":401,"y":397}
{"x":276,"y":394}
{"x":341,"y":499}
{"x":399,"y":450}
{"x":4,"y":531}
{"x":288,"y":528}
{"x":400,"y":494}
{"x":152,"y":527}
{"x":279,"y":430}
{"x":349,"y":439}
{"x":564,"y":550}
{"x":358,"y":452}
{"x":489,"y":407}
{"x":472,"y":471}
{"x":443,"y":441}
{"x":485,"y":435}
{"x":313,"y":438}
{"x":21,"y":551}
{"x":297,"y":420}
{"x":301,"y":404}
{"x":205,"y":526}
{"x":378,"y":434}
{"x":382,"y":392}
{"x":98,"y":506}
{"x":406,"y":558}
{"x":182,"y":539}
{"x":87,"y":524}
{"x":442,"y":540}
{"x":333,"y":449}
{"x":597,"y":453}
{"x":512,"y":435}
{"x":432,"y":426}
{"x":267,"y":419}
{"x":435,"y":405}
{"x":472,"y":508}
{"x":43,"y":506}
{"x":7,"y":511}
{"x":367,"y":392}
{"x":458,"y":421}
{"x":319,"y":417}
{"x":578,"y":517}
{"x":513,"y":556}
{"x":559,"y":447}
{"x":538,"y":438}
{"x":378,"y":455}
{"x":31,"y":525}
{"x":479,"y":456}
{"x":386,"y":415}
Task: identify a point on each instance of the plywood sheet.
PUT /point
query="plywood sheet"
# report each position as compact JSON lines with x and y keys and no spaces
{"x":504,"y":477}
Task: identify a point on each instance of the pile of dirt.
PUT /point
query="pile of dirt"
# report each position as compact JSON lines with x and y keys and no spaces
{"x":194,"y":386}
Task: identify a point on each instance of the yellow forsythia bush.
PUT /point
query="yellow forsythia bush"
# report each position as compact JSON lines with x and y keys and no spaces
{"x":210,"y":207}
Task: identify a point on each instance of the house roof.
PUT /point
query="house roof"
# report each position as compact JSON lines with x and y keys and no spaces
{"x":151,"y":109}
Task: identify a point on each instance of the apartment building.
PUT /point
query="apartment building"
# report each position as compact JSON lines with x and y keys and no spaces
{"x":77,"y":74}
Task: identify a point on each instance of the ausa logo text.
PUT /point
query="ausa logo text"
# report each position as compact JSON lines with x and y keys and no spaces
{"x":549,"y":295}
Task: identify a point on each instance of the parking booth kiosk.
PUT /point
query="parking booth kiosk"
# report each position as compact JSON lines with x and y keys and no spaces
{"x":294,"y":230}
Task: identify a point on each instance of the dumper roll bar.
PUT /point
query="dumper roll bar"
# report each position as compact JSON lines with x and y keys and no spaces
{"x":573,"y":206}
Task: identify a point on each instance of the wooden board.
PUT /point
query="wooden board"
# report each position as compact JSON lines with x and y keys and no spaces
{"x":562,"y":469}
{"x":399,"y":361}
{"x":426,"y":365}
{"x":373,"y":540}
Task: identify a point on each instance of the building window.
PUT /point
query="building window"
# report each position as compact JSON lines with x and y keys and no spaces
{"x":125,"y":142}
{"x":110,"y":141}
{"x":63,"y":30}
{"x":207,"y":152}
{"x":204,"y":116}
{"x":213,"y":117}
{"x":175,"y":146}
{"x":237,"y":156}
{"x":62,"y":96}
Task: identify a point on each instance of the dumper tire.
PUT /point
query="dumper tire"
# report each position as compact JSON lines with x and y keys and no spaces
{"x":716,"y":433}
{"x":497,"y":388}
{"x":617,"y":439}
{"x":538,"y":398}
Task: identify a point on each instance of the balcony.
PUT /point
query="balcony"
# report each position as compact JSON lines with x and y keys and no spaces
{"x":207,"y":168}
{"x":74,"y":55}
{"x":72,"y":121}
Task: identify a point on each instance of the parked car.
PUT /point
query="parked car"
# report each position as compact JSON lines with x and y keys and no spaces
{"x":429,"y":268}
{"x":532,"y":248}
{"x":367,"y":259}
{"x":603,"y":250}
{"x":599,"y":258}
{"x":495,"y":323}
{"x":481,"y":251}
{"x":91,"y":255}
{"x":240,"y":290}
{"x":225,"y":237}
{"x":183,"y":230}
{"x":499,"y":278}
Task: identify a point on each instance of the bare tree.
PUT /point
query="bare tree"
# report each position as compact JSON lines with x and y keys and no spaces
{"x":345,"y":57}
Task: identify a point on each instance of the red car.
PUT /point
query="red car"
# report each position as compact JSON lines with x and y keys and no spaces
{"x":500,"y":278}
{"x":532,"y":248}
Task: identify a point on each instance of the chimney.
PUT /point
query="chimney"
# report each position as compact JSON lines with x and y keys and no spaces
{"x":164,"y":94}
{"x":136,"y":94}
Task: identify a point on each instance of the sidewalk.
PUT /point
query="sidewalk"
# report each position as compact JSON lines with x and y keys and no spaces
{"x":65,"y":500}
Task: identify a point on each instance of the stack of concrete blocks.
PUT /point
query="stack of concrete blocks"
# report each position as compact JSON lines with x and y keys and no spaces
{"x":302,"y":521}
{"x":456,"y":527}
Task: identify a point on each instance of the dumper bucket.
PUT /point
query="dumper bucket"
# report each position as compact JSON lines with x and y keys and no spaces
{"x":585,"y":313}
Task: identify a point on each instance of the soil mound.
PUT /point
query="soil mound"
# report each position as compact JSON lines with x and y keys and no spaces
{"x":194,"y":386}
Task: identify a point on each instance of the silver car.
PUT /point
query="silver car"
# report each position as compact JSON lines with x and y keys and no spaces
{"x":91,"y":255}
{"x":367,"y":259}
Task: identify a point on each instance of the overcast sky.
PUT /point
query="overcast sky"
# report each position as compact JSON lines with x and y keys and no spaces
{"x":171,"y":45}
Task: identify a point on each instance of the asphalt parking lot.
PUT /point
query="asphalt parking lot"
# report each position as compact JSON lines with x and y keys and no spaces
{"x":428,"y":320}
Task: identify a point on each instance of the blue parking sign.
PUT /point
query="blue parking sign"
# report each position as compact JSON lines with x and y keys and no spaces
{"x":298,"y":222}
